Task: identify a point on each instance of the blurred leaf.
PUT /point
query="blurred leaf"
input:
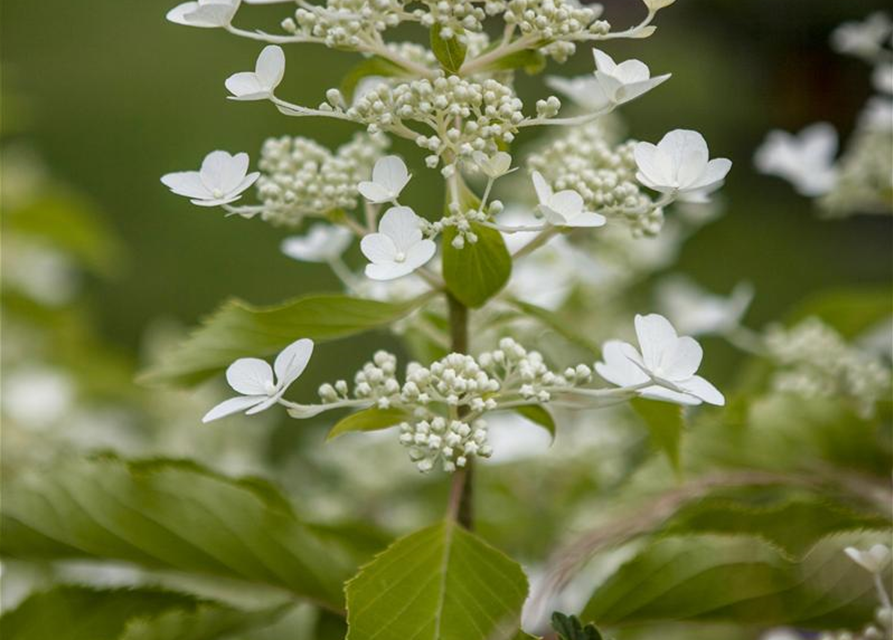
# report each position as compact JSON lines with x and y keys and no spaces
{"x":539,"y":415}
{"x":570,"y":628}
{"x":850,"y":311}
{"x":206,"y":622}
{"x":666,"y":422}
{"x":738,"y":579}
{"x":372,"y":419}
{"x":440,"y":583}
{"x":238,"y":330}
{"x":531,"y":61}
{"x":450,"y":52}
{"x":558,"y":324}
{"x":794,"y":525}
{"x":374,"y":66}
{"x":172,"y":516}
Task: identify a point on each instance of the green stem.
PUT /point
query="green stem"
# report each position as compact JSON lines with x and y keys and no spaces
{"x":462,"y":491}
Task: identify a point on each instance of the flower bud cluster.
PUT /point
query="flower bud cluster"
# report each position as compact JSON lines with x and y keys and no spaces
{"x":816,"y":362}
{"x":558,"y":22}
{"x":375,"y":382}
{"x":454,"y":17}
{"x":346,"y":23}
{"x":465,"y":116}
{"x":462,"y":220}
{"x":604,"y":174}
{"x":525,"y":372}
{"x":865,"y":174}
{"x":452,"y":442}
{"x":300,"y":177}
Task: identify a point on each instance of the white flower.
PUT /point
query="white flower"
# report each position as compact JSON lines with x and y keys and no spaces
{"x":877,"y":115}
{"x":253,"y":378}
{"x":864,"y":38}
{"x":322,"y":243}
{"x":694,"y":312}
{"x":262,"y":82}
{"x":680,"y":164}
{"x":398,"y":248}
{"x":806,"y":160}
{"x":584,"y":91}
{"x":873,"y":560}
{"x":565,"y":208}
{"x":208,"y":14}
{"x":389,"y":177}
{"x":222,"y":179}
{"x":666,"y":359}
{"x":882,"y":78}
{"x":494,"y":166}
{"x":625,"y":81}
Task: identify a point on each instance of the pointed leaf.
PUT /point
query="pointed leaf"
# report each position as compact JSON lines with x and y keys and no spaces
{"x":450,"y":52}
{"x":539,"y":415}
{"x":372,"y":419}
{"x":666,"y":422}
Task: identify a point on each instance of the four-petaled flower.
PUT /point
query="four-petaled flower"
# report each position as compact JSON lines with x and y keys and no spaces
{"x":389,"y":177}
{"x":222,"y":179}
{"x":255,"y":380}
{"x":806,"y":160}
{"x":680,"y":165}
{"x":398,"y":248}
{"x":208,"y":14}
{"x":667,"y":360}
{"x":625,"y":81}
{"x":873,"y":560}
{"x":565,"y":208}
{"x":495,"y":166}
{"x":262,"y":82}
{"x":322,"y":243}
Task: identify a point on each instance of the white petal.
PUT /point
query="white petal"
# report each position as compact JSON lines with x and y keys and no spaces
{"x":714,"y":174}
{"x":387,"y":270}
{"x":210,"y":15}
{"x":617,"y":368}
{"x":246,"y":182}
{"x":543,"y":190}
{"x":699,"y":387}
{"x":186,"y":183}
{"x":378,"y":248}
{"x":585,"y":91}
{"x":587,"y":219}
{"x":222,"y":171}
{"x":604,"y":62}
{"x":420,"y":253}
{"x":250,"y":376}
{"x":688,"y":153}
{"x":634,"y":90}
{"x":391,"y":173}
{"x":265,"y":404}
{"x":291,"y":362}
{"x":270,"y":67}
{"x":178,"y":13}
{"x":656,"y":337}
{"x":374,"y":192}
{"x":683,"y":360}
{"x":231,"y":406}
{"x":401,"y":225}
{"x":246,"y":86}
{"x":668,"y":395}
{"x":653,"y":164}
{"x":610,"y":85}
{"x":819,"y":141}
{"x":632,"y":71}
{"x":216,"y":202}
{"x":567,"y":203}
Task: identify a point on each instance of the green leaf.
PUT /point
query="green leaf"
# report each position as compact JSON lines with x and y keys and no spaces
{"x":449,"y":52}
{"x":477,"y":272}
{"x":83,"y":613}
{"x":736,"y":579}
{"x":206,"y":622}
{"x":538,"y":414}
{"x":240,"y":330}
{"x":666,"y":422}
{"x":173,"y":516}
{"x":374,"y":66}
{"x":372,"y":419}
{"x":531,"y":61}
{"x":440,"y":583}
{"x":570,"y":628}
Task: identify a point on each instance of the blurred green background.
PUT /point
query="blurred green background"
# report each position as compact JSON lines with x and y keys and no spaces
{"x":113,"y":96}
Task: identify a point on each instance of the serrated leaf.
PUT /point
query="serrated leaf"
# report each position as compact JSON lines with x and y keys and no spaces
{"x":440,"y":583}
{"x":735,"y":579}
{"x":539,"y":415}
{"x":666,"y":422}
{"x":172,"y":517}
{"x":374,"y":66}
{"x":570,"y":628}
{"x":372,"y":419}
{"x":240,"y":330}
{"x":450,"y":52}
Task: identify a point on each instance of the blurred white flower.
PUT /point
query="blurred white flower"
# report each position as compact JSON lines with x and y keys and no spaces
{"x":398,"y":248}
{"x":666,"y":359}
{"x":495,"y":166}
{"x":221,"y":180}
{"x":262,"y":82}
{"x":694,"y":311}
{"x":877,"y":115}
{"x":389,"y":177}
{"x":585,"y":91}
{"x":322,"y":243}
{"x":882,"y":77}
{"x":873,"y":560}
{"x":781,"y":634}
{"x":208,"y":14}
{"x":565,"y":208}
{"x":863,"y":39}
{"x":37,"y":396}
{"x":254,"y":378}
{"x":680,"y":165}
{"x":806,"y":160}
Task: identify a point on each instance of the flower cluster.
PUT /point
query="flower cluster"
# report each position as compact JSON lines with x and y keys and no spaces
{"x":300,"y":177}
{"x":865,"y":171}
{"x":556,"y":22}
{"x":345,"y":23}
{"x":604,"y":174}
{"x":817,"y":362}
